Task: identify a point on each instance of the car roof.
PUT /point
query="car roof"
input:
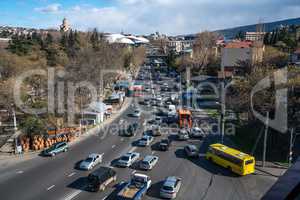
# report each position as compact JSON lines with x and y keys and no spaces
{"x":192,"y":146}
{"x":170,"y":181}
{"x":148,"y":158}
{"x":93,"y":155}
{"x":128,"y":154}
{"x":102,"y":170}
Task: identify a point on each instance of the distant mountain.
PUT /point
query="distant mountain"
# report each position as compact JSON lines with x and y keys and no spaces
{"x":232,"y":32}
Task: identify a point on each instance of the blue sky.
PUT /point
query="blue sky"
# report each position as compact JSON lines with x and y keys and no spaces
{"x":145,"y":16}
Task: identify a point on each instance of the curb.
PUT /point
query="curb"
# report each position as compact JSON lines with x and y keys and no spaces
{"x":87,"y":134}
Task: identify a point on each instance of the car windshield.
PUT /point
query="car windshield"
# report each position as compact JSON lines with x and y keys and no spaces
{"x":125,"y":158}
{"x":89,"y":160}
{"x":168,"y":188}
{"x":144,"y":139}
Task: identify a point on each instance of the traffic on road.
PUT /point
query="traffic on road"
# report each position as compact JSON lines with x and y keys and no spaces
{"x":158,"y":155}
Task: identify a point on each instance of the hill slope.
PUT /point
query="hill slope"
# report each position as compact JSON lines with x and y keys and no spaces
{"x":231,"y":32}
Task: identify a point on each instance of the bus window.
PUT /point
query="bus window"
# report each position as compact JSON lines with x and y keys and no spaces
{"x":249,"y":162}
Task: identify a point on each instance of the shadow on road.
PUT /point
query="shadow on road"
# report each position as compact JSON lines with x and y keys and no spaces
{"x":155,"y":146}
{"x":135,"y":143}
{"x":154,"y":190}
{"x":203,"y":163}
{"x":79,"y":184}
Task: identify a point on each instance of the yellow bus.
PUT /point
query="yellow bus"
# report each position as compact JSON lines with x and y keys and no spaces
{"x":232,"y":159}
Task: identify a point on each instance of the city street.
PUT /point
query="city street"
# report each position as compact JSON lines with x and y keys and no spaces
{"x":56,"y":177}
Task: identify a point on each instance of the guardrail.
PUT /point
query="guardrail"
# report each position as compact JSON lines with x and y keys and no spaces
{"x":287,"y":186}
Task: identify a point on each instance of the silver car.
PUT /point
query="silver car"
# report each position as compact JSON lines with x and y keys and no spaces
{"x":146,"y":140}
{"x":148,"y":162}
{"x":91,"y":161}
{"x":191,"y":151}
{"x":128,"y":159}
{"x":170,"y":187}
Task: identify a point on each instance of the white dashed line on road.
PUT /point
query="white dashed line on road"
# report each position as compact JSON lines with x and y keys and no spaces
{"x":122,"y":139}
{"x":72,"y":195}
{"x":133,"y":172}
{"x":104,"y":198}
{"x":72,"y":174}
{"x":49,"y":188}
{"x":20,"y":172}
{"x":153,"y":152}
{"x":113,"y":146}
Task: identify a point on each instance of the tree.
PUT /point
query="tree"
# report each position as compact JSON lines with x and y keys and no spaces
{"x":33,"y":126}
{"x":171,"y":59}
{"x":240,"y":35}
{"x":203,"y":52}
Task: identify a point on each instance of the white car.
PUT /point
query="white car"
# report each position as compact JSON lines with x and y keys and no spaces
{"x":136,"y":113}
{"x":128,"y":159}
{"x":148,"y":162}
{"x":146,"y":140}
{"x":197,"y":132}
{"x":171,"y":187}
{"x":91,"y":161}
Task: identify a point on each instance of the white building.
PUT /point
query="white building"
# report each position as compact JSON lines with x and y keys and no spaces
{"x":255,"y":36}
{"x":241,"y":51}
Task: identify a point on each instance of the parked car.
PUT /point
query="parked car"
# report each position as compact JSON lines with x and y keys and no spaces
{"x":148,"y":162}
{"x":101,"y":178}
{"x":191,"y":151}
{"x":164,"y":144}
{"x":128,"y":159}
{"x":55,"y":149}
{"x":91,"y":161}
{"x":145,"y":140}
{"x":171,"y":187}
{"x":183,"y":135}
{"x":197,"y":132}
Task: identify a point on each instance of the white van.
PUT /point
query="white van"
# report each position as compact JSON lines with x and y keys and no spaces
{"x":172,"y":110}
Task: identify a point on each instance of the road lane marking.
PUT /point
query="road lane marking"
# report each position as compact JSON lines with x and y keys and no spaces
{"x":133,"y":172}
{"x":72,"y":174}
{"x":153,"y":152}
{"x":20,"y":172}
{"x":49,"y":188}
{"x":104,"y":198}
{"x":113,"y":146}
{"x":122,"y":139}
{"x":72,"y":195}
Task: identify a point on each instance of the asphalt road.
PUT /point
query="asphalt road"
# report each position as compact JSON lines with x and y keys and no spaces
{"x":56,"y":178}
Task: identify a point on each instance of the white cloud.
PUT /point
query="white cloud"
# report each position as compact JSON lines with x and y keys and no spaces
{"x":52,"y":8}
{"x":176,"y":16}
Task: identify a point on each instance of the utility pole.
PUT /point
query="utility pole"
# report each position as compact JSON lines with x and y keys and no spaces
{"x":223,"y":108}
{"x":15,"y":128}
{"x":291,"y":147}
{"x":223,"y":111}
{"x":265,"y":140}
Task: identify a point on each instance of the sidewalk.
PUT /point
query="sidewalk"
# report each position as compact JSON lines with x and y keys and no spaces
{"x":270,"y":168}
{"x":10,"y":159}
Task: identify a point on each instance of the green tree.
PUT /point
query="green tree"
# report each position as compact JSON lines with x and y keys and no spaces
{"x":33,"y":126}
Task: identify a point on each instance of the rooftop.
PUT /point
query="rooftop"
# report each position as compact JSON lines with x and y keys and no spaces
{"x":239,"y":44}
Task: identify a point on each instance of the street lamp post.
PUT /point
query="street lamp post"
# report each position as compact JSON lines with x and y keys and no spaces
{"x":223,"y":108}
